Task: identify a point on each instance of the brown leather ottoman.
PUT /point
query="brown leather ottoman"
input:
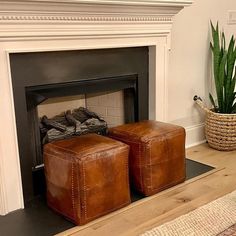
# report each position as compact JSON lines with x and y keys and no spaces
{"x":157,"y":154}
{"x":86,"y":176}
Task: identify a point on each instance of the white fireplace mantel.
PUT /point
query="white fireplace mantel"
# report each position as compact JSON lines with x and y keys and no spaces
{"x":47,"y":25}
{"x":86,"y":17}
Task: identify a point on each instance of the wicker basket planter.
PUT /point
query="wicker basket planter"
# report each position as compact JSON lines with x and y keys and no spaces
{"x":220,"y":129}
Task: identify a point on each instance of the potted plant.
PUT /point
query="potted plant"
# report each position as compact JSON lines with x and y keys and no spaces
{"x":220,"y":124}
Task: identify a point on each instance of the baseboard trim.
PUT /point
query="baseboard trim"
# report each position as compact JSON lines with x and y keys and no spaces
{"x":195,"y":144}
{"x":195,"y":135}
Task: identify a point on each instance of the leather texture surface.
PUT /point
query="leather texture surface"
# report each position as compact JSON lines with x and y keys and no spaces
{"x":157,"y":154}
{"x":86,"y":176}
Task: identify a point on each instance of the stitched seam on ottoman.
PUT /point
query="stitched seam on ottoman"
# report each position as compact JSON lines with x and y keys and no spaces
{"x":72,"y":190}
{"x":117,"y":145}
{"x":62,"y":213}
{"x":121,"y":134}
{"x":110,"y":210}
{"x":84,"y":187}
{"x":123,"y":139}
{"x":140,"y":174}
{"x":65,"y":149}
{"x":127,"y":166}
{"x":127,"y":171}
{"x":164,"y":161}
{"x":147,"y":147}
{"x":174,"y":132}
{"x":170,"y":184}
{"x":167,"y":145}
{"x":79,"y":195}
{"x":60,"y":157}
{"x":139,"y":143}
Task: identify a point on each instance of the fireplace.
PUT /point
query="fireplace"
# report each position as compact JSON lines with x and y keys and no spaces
{"x":36,"y":28}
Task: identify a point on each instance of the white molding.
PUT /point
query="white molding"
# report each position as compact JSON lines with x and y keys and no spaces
{"x":32,"y":26}
{"x":195,"y":135}
{"x":60,"y":18}
{"x":196,"y":143}
{"x":77,"y":11}
{"x":2,"y":188}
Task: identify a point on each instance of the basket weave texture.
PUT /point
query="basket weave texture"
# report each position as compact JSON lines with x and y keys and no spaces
{"x":220,"y":129}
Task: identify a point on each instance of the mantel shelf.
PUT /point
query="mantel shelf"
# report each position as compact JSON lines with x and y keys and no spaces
{"x":108,"y":2}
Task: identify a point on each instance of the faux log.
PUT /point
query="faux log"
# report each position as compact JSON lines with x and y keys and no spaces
{"x":78,"y":122}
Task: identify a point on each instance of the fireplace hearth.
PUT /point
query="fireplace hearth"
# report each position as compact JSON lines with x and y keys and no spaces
{"x":42,"y":75}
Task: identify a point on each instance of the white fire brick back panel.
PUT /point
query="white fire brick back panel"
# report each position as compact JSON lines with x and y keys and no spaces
{"x":110,"y":106}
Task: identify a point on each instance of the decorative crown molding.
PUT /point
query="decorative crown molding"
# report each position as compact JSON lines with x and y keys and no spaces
{"x":90,"y":10}
{"x":77,"y":19}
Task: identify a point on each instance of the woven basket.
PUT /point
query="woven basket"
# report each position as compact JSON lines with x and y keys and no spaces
{"x":220,"y":129}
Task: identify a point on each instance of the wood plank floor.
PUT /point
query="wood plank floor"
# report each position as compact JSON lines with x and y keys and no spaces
{"x":167,"y":205}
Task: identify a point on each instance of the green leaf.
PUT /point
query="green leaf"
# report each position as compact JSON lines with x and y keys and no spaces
{"x":223,"y":40}
{"x":216,"y":51}
{"x":220,"y":88}
{"x":211,"y":46}
{"x":212,"y":102}
{"x":231,"y":58}
{"x":234,"y":108}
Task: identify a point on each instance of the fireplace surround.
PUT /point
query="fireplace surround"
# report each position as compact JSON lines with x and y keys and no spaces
{"x":69,"y":25}
{"x":41,"y":75}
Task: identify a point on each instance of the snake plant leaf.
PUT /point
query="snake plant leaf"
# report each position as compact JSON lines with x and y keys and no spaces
{"x":234,"y":108}
{"x":212,"y":102}
{"x":231,"y":58}
{"x":232,"y":85}
{"x":221,"y":83}
{"x":211,"y":46}
{"x":216,"y":52}
{"x":222,"y":46}
{"x":233,"y":96}
{"x":223,"y":41}
{"x":231,"y":102}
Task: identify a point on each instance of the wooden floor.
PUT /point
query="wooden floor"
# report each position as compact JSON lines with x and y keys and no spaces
{"x":167,"y":205}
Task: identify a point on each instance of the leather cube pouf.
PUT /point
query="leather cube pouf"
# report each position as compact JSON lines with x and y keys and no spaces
{"x":157,"y":154}
{"x":86,"y":176}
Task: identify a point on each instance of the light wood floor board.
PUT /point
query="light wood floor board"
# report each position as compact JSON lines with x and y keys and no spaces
{"x":167,"y":205}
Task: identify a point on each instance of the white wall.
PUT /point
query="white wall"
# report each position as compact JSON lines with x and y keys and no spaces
{"x":190,"y":64}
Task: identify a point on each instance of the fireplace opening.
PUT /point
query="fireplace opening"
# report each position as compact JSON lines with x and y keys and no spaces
{"x":35,"y":95}
{"x":99,"y":76}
